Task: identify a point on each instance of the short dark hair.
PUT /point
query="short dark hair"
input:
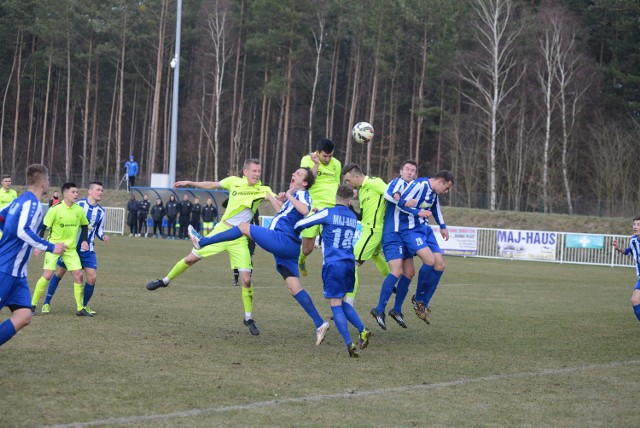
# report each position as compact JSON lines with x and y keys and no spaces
{"x":345,"y":192}
{"x":310,"y":178}
{"x":410,"y":162}
{"x":637,"y":218}
{"x":6,"y":176}
{"x":325,"y":145}
{"x":352,"y":167}
{"x":445,"y":175}
{"x":35,"y":173}
{"x":94,"y":184}
{"x":249,"y":162}
{"x":67,"y":186}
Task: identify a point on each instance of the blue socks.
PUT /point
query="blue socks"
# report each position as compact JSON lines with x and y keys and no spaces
{"x":88,"y":292}
{"x":432,"y":284}
{"x":636,"y":310}
{"x":340,"y":320}
{"x":305,"y":301}
{"x":227,"y":235}
{"x":51,"y":290}
{"x":385,"y":292}
{"x":423,"y":276}
{"x":352,"y":316}
{"x":401,"y":293}
{"x":7,"y":331}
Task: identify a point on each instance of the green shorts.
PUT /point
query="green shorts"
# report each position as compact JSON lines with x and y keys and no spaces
{"x":311,"y":232}
{"x":70,"y":258}
{"x":369,"y":244}
{"x":207,"y":225}
{"x":238,"y":250}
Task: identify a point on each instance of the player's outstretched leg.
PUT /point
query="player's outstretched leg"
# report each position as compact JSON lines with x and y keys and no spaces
{"x":178,"y":269}
{"x":402,"y":289}
{"x":354,"y":319}
{"x":385,"y":293}
{"x":340,"y":320}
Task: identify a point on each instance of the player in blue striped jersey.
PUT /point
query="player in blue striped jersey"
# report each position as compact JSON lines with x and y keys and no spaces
{"x":399,"y":258}
{"x":421,"y":199}
{"x":20,"y":222}
{"x":280,"y":239}
{"x":338,"y":269}
{"x":634,"y":250}
{"x":95,"y":214}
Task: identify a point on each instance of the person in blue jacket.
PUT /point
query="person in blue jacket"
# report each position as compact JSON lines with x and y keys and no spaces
{"x":131,"y":168}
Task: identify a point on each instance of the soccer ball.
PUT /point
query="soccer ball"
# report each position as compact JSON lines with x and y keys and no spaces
{"x":362,"y":132}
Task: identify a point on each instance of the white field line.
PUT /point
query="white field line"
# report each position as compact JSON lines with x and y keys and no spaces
{"x":350,"y":394}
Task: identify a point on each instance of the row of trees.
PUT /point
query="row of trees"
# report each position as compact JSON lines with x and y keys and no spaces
{"x":532,"y":104}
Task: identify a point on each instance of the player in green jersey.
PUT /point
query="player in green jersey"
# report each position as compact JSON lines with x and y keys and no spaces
{"x":7,"y":194}
{"x":372,"y":208}
{"x":245,"y":195}
{"x":327,"y":170}
{"x":64,"y":221}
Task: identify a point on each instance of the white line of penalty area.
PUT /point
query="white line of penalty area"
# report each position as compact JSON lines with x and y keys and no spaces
{"x":350,"y":394}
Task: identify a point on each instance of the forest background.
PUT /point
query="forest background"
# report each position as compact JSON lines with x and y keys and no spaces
{"x":533,"y":105}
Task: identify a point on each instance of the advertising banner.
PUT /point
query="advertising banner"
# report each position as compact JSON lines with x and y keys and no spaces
{"x":463,"y":241}
{"x":584,"y":241}
{"x":526,"y":244}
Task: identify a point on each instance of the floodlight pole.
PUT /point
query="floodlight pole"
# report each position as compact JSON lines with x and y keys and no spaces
{"x":175,"y":64}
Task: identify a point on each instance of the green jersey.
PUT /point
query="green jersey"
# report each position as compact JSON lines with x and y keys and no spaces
{"x":64,"y":222}
{"x":7,"y":196}
{"x":372,"y":202}
{"x":243,"y":196}
{"x":323,"y":192}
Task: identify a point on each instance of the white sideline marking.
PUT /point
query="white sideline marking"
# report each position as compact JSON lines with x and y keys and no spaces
{"x":350,"y":394}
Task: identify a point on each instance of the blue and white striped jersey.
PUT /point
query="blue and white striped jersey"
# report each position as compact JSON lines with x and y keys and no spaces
{"x":427,"y":199}
{"x":397,"y":218}
{"x":338,"y":227}
{"x":286,"y":219}
{"x":634,"y":250}
{"x":21,"y":221}
{"x":95,"y":215}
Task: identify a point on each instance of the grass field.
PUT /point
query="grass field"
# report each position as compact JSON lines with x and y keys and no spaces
{"x":512,"y":343}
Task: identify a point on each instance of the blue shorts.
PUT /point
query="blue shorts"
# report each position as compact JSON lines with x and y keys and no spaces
{"x":338,"y":278}
{"x":637,"y":284}
{"x":88,"y":259}
{"x":14,"y":292}
{"x":393,"y":247}
{"x":432,"y":242}
{"x":285,"y":250}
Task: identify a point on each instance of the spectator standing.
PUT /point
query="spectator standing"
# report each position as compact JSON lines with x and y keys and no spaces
{"x":143,"y":214}
{"x":209,"y":216}
{"x":172,"y":209}
{"x":196,"y":213}
{"x":55,"y":199}
{"x":157,"y":214}
{"x":185,"y":216}
{"x":131,"y":167}
{"x":132,"y":216}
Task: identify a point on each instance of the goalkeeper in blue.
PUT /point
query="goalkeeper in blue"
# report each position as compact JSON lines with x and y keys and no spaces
{"x":20,"y":222}
{"x":280,"y":239}
{"x":634,"y":250}
{"x":338,"y":270}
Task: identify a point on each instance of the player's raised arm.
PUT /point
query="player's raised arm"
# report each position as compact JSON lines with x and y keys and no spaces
{"x":208,"y":185}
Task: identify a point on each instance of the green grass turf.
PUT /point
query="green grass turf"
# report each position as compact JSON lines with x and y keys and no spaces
{"x":512,"y":343}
